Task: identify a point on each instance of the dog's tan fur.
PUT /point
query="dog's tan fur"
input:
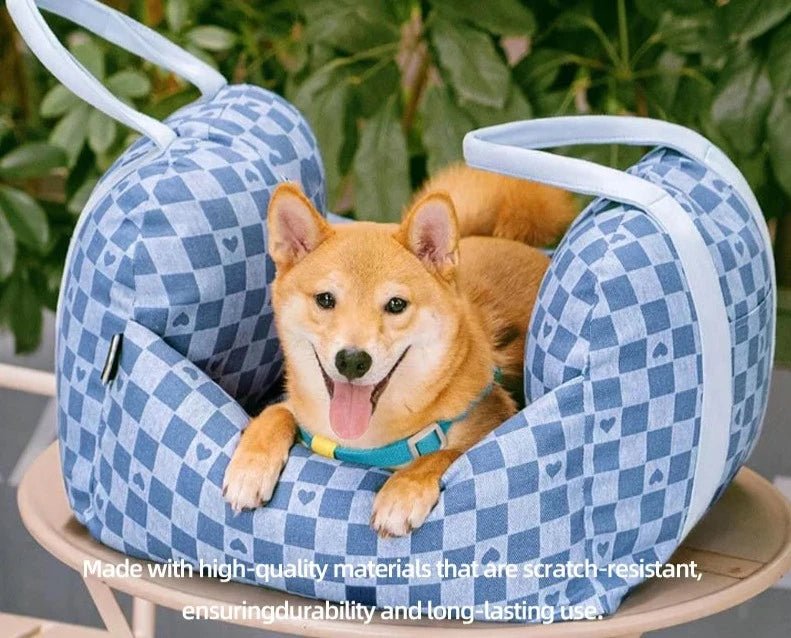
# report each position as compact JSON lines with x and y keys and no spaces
{"x":470,"y":301}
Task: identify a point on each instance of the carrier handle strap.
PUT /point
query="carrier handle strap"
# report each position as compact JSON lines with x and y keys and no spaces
{"x":511,"y":149}
{"x":121,"y":31}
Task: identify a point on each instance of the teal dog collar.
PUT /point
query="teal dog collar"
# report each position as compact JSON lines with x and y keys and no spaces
{"x":430,"y":439}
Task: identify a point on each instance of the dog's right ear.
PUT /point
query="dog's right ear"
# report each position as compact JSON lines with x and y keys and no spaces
{"x":430,"y":231}
{"x":295,"y":226}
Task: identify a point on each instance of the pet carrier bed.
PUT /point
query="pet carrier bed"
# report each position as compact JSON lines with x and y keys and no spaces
{"x":647,"y":365}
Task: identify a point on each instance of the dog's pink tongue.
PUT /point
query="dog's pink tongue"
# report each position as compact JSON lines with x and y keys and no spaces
{"x":350,"y":409}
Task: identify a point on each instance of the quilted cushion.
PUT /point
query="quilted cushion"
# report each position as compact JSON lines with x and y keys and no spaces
{"x":599,"y":467}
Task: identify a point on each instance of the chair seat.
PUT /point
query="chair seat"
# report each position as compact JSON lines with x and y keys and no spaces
{"x":741,"y":547}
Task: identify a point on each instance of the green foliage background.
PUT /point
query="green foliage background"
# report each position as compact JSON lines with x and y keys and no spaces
{"x":390,"y":87}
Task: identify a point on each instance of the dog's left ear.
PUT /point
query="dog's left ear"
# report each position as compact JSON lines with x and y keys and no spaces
{"x":430,"y":230}
{"x":295,"y":226}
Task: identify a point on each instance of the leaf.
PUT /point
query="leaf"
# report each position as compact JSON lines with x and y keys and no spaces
{"x":80,"y":198}
{"x":7,"y":248}
{"x":176,"y":14}
{"x":693,"y":103}
{"x":350,"y":25}
{"x":503,"y":17}
{"x":551,"y":103}
{"x":381,"y":167}
{"x":779,"y":59}
{"x":70,"y":132}
{"x":201,"y":55}
{"x":477,"y":73}
{"x":516,"y":107}
{"x":90,"y":55}
{"x":211,"y":38}
{"x":26,"y":217}
{"x":34,"y":159}
{"x":324,"y":99}
{"x":741,"y":102}
{"x":692,"y":33}
{"x":57,"y":101}
{"x":664,"y":87}
{"x":653,"y":9}
{"x":101,"y":132}
{"x":779,"y":139}
{"x":374,"y":86}
{"x":444,"y":126}
{"x":25,"y":314}
{"x":130,"y":84}
{"x":745,"y":20}
{"x":291,"y":51}
{"x":538,"y":70}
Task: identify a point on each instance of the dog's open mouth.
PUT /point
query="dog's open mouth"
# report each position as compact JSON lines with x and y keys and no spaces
{"x":352,"y":405}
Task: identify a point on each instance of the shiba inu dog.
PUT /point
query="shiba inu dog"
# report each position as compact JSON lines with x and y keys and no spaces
{"x":395,"y":337}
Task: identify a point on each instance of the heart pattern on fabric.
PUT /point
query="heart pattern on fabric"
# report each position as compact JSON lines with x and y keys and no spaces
{"x":231,"y":243}
{"x":607,"y":424}
{"x":603,"y":547}
{"x":554,"y":468}
{"x":202,"y":452}
{"x":190,"y":372}
{"x":306,"y":496}
{"x":492,"y":555}
{"x":552,"y":599}
{"x":137,"y":479}
{"x":181,"y":320}
{"x":109,"y":259}
{"x":238,"y":546}
{"x":656,"y":477}
{"x":660,"y":350}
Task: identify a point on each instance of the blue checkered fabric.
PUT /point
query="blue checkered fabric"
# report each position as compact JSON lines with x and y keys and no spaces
{"x":175,"y":240}
{"x":615,"y":308}
{"x":599,"y":466}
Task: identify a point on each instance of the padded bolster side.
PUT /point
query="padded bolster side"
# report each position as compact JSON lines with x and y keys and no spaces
{"x":166,"y":436}
{"x":521,"y":494}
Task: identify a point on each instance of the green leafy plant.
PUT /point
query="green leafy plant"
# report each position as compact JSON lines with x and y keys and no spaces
{"x":390,"y":87}
{"x":26,"y":239}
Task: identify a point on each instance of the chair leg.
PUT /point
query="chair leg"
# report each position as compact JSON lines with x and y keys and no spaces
{"x":144,"y":615}
{"x":108,"y":608}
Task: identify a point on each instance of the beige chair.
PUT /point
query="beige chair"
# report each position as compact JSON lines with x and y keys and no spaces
{"x":742,"y":547}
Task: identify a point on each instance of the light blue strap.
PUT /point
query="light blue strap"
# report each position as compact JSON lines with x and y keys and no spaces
{"x":511,"y":149}
{"x":609,"y":129}
{"x":120,"y":30}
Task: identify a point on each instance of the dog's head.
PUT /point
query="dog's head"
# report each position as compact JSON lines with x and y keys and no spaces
{"x":367,"y":315}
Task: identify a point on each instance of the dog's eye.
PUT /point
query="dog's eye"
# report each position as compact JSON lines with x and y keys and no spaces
{"x":325,"y":300}
{"x":396,"y":305}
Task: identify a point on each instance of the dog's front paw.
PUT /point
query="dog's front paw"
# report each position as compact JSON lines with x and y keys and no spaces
{"x":403,"y":503}
{"x":250,"y":479}
{"x":259,"y":459}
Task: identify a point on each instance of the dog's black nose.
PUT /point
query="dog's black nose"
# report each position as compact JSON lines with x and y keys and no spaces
{"x":352,"y":363}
